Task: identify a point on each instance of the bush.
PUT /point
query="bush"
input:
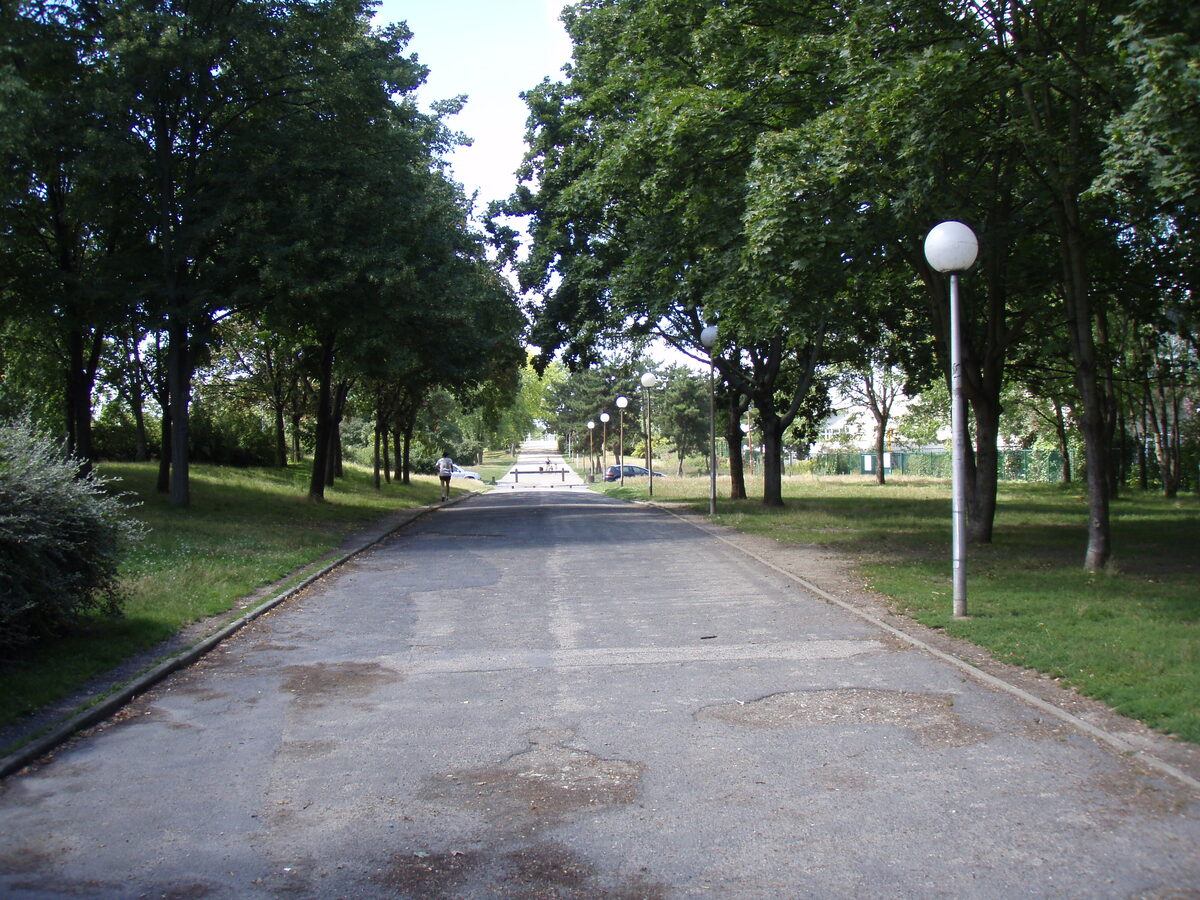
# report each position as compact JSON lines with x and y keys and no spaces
{"x":230,"y":436}
{"x":61,"y":536}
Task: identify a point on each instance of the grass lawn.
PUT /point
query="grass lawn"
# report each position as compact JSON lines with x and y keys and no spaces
{"x":1129,"y":636}
{"x":247,"y":528}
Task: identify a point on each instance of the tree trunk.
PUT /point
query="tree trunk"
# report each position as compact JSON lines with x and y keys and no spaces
{"x":164,"y":454}
{"x":179,"y":387}
{"x":141,"y":451}
{"x":316,"y":484}
{"x":771,"y":429}
{"x":83,"y":352}
{"x":378,"y":455}
{"x":982,"y":483}
{"x":738,"y":404}
{"x":297,"y":454}
{"x":1064,"y":446}
{"x":880,"y":447}
{"x":387,"y":462}
{"x":334,"y":469}
{"x":1096,"y":431}
{"x":408,"y":432}
{"x":281,"y":449}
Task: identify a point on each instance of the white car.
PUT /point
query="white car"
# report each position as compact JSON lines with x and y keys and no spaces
{"x":460,"y":472}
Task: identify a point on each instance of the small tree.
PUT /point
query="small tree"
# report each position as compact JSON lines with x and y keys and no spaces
{"x":61,"y":538}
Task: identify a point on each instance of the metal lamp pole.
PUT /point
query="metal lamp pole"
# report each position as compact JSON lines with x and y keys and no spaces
{"x":951,"y":248}
{"x":604,"y":446}
{"x":649,"y":379}
{"x":708,"y":337}
{"x":591,"y":426}
{"x":622,"y":402}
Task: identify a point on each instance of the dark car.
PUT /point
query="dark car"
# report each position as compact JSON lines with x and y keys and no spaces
{"x":613,"y":473}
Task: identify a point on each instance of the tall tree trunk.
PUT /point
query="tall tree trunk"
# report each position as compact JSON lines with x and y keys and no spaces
{"x":378,"y":454}
{"x":334,"y":468}
{"x":281,"y":448}
{"x":738,"y":404}
{"x":1064,"y":446}
{"x":137,"y":405}
{"x":770,"y":428}
{"x":408,"y":433}
{"x":880,"y":446}
{"x":1096,"y":431}
{"x":982,"y":482}
{"x":398,"y":452}
{"x":83,"y":352}
{"x":387,"y":462}
{"x":297,"y":455}
{"x":164,"y":454}
{"x":316,"y":484}
{"x":179,"y":387}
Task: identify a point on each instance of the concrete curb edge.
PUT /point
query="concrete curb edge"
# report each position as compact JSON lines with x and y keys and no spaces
{"x":1099,"y":734}
{"x":110,"y":703}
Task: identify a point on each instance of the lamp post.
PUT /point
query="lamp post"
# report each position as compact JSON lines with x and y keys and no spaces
{"x":708,"y":337}
{"x":604,"y":446}
{"x":591,"y":426}
{"x":745,"y":426}
{"x":622,"y":402}
{"x":951,"y":248}
{"x":649,"y":379}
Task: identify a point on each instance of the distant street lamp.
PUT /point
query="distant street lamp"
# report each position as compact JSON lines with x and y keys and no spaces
{"x":708,"y":337}
{"x":604,"y":446}
{"x":649,"y":379}
{"x":951,"y":248}
{"x":591,"y":454}
{"x":622,"y":402}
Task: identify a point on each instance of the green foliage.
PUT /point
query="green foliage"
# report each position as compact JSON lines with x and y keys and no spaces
{"x":61,"y":539}
{"x":230,"y":435}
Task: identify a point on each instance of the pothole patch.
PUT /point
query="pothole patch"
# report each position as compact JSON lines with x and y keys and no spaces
{"x":930,"y":717}
{"x":318,"y":684}
{"x":548,"y":779}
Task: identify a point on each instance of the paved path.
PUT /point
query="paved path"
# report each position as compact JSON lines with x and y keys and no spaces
{"x":547,"y":693}
{"x":540,"y":467}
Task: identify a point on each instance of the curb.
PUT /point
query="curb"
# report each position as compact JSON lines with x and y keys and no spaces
{"x":1114,"y":742}
{"x":105,"y":707}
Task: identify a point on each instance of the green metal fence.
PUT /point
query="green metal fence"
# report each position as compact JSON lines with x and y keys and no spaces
{"x":1012,"y":465}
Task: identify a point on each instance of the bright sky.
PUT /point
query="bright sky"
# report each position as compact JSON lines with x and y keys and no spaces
{"x":490,"y":50}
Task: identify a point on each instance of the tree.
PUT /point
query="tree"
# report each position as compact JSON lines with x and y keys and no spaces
{"x":642,"y":162}
{"x":682,"y":416}
{"x":65,"y":215}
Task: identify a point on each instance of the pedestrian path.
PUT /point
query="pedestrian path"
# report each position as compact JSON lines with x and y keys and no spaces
{"x":540,"y":467}
{"x":554,"y":693}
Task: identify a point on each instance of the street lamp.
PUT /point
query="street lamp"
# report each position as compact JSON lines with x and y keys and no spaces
{"x":649,"y":379}
{"x":951,"y":248}
{"x":591,"y":455}
{"x":622,"y":402}
{"x":604,"y":445}
{"x":708,"y":337}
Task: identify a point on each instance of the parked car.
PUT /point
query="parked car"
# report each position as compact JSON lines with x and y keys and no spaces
{"x":460,"y":472}
{"x":613,"y":473}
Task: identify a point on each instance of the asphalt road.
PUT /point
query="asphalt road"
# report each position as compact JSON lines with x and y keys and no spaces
{"x":547,"y":693}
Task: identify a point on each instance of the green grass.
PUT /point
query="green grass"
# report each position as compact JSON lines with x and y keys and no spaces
{"x":1129,"y":636}
{"x":246,"y":529}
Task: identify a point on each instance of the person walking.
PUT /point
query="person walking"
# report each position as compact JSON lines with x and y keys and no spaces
{"x":445,"y":469}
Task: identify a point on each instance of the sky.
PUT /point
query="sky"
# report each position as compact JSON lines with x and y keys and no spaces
{"x":490,"y":50}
